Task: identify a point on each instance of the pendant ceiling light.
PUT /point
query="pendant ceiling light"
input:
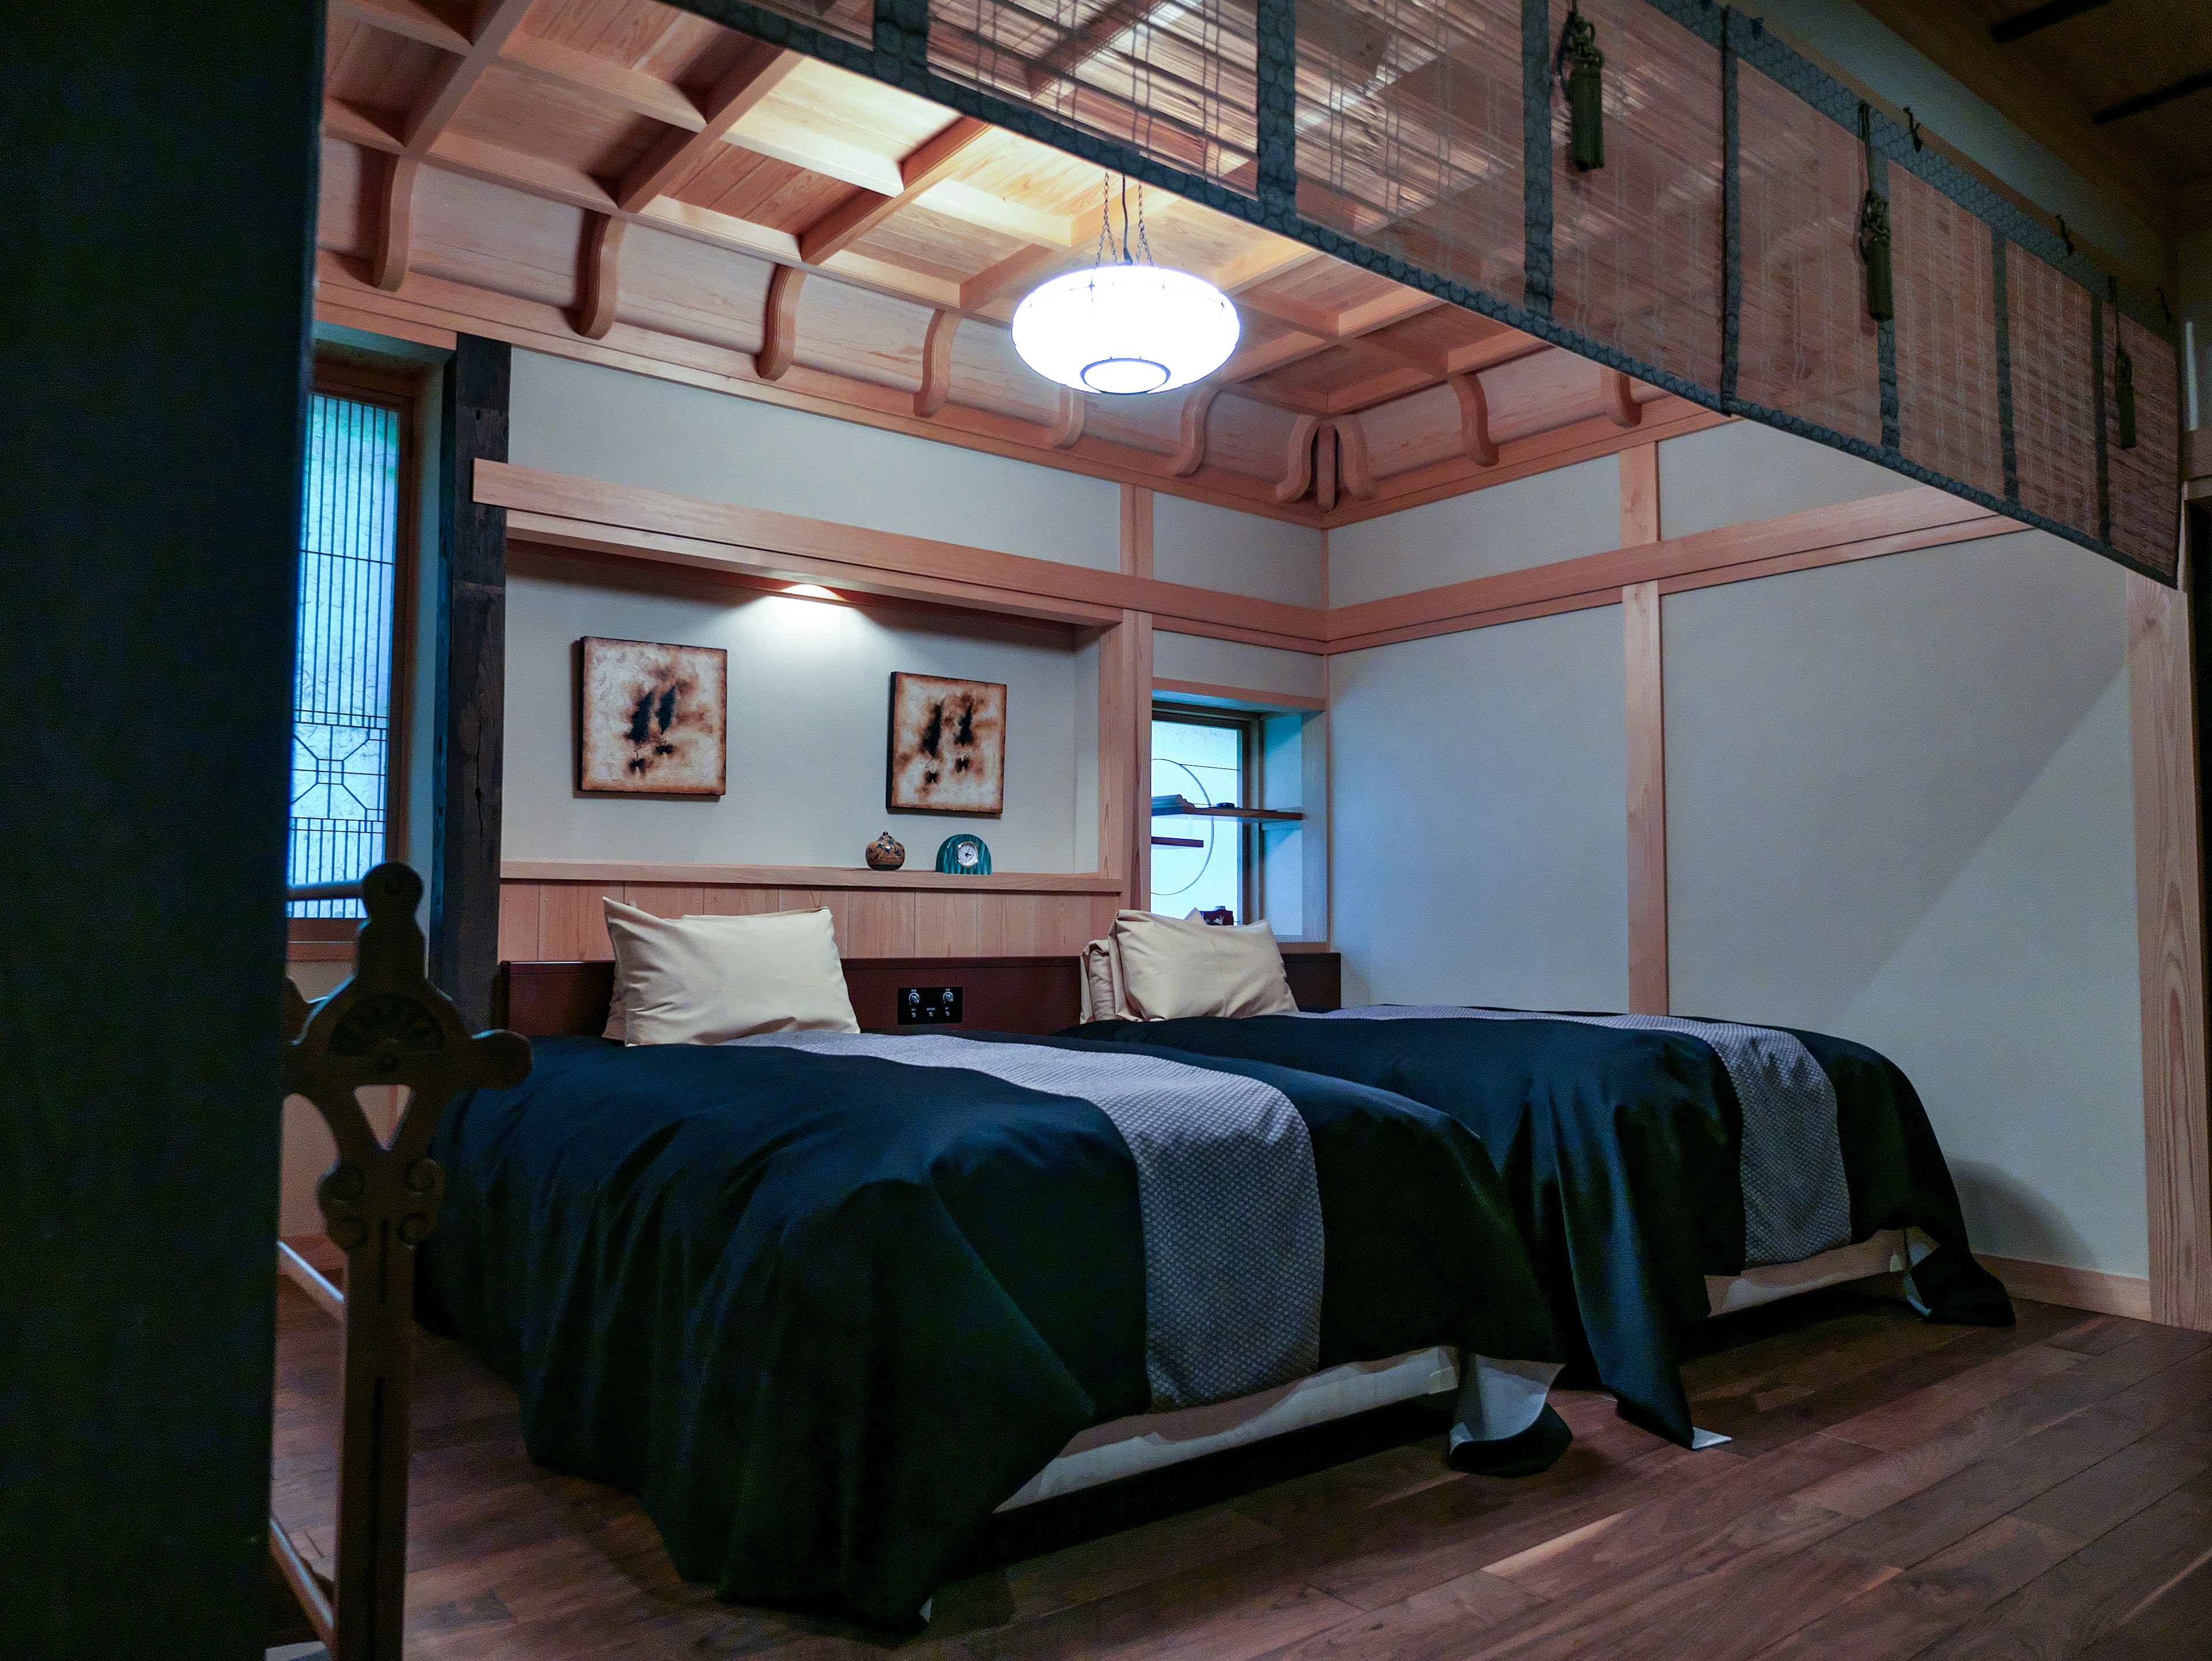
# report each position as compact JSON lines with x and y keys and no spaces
{"x":1125,"y":325}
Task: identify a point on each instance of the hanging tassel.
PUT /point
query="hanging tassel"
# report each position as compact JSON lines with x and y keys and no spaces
{"x":2123,"y":395}
{"x":2123,"y":374}
{"x":1874,"y":235}
{"x":1579,"y":67}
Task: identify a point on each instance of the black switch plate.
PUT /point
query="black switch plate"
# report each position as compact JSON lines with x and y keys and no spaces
{"x":928,"y":1006}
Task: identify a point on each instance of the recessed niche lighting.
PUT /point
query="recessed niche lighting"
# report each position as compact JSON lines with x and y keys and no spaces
{"x":812,"y":591}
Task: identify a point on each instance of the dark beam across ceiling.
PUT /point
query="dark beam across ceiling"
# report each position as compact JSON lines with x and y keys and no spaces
{"x":2007,"y":30}
{"x":2201,"y":81}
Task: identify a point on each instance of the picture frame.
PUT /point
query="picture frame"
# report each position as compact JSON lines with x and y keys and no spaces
{"x":947,"y":747}
{"x":652,"y":719}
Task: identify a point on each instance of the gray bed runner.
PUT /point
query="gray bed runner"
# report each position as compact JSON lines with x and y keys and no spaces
{"x":1226,"y":1194}
{"x":1796,"y":1200}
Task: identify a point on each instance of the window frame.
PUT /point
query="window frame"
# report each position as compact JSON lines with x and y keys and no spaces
{"x":1250,"y":728}
{"x":401,"y":393}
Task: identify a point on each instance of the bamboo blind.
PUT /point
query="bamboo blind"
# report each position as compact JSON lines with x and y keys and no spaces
{"x":1714,"y":255}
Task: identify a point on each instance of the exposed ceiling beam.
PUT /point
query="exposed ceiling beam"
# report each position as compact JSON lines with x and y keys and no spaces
{"x":631,"y":90}
{"x":2142,"y":103}
{"x":411,"y":18}
{"x":2006,"y":30}
{"x":760,"y":69}
{"x":931,"y":163}
{"x":495,"y":20}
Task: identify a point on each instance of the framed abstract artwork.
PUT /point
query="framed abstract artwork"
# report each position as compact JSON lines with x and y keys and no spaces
{"x":948,"y":746}
{"x":650,"y":720}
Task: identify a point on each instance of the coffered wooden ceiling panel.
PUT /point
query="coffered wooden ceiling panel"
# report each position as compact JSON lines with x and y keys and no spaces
{"x":622,"y":181}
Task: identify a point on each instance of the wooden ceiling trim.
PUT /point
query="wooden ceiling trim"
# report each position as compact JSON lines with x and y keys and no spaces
{"x":779,"y":324}
{"x":1069,"y":426}
{"x":1324,"y":467}
{"x":936,"y":364}
{"x":410,"y":18}
{"x":1298,"y":461}
{"x":1351,"y":457}
{"x":1475,"y":443}
{"x":760,"y":69}
{"x":1875,"y":523}
{"x":1539,"y":452}
{"x":928,"y":165}
{"x":395,"y":230}
{"x":626,"y":89}
{"x":1621,"y":407}
{"x":613,"y":507}
{"x":1197,"y":409}
{"x":433,"y":309}
{"x":496,"y":21}
{"x":595,"y":316}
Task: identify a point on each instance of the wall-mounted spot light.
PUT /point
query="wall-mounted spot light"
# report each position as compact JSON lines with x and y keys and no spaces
{"x":814,"y":591}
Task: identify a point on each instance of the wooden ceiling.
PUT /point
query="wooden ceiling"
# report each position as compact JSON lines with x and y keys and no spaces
{"x":2120,"y":88}
{"x":621,"y":179}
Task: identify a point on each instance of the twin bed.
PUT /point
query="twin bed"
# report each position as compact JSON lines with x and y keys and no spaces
{"x":826,"y":1299}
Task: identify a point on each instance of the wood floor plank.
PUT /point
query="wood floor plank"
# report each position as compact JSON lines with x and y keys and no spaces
{"x":1916,"y":1417}
{"x":2078,"y":1601}
{"x":2169,"y":1626}
{"x":1860,"y":1432}
{"x":1435,"y":1625}
{"x":1895,"y":1477}
{"x":2099,"y":1500}
{"x":1673,"y":1523}
{"x":1902,"y":1616}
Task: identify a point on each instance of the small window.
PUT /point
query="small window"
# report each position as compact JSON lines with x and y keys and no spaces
{"x":346,"y":673}
{"x":1207,"y":759}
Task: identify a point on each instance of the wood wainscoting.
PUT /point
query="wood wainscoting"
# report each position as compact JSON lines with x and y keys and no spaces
{"x":550,"y":908}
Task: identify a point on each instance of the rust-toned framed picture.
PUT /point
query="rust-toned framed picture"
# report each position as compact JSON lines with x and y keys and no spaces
{"x":948,"y":747}
{"x":650,"y":720}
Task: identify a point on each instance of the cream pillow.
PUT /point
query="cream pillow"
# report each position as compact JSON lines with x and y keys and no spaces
{"x":708,"y":980}
{"x":1173,"y":967}
{"x":1102,"y":984}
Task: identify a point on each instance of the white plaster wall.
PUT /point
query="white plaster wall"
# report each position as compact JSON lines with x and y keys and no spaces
{"x":1743,"y":471}
{"x":809,"y":688}
{"x":1478,"y":803}
{"x":1233,"y":663}
{"x":598,"y":422}
{"x":1561,"y":514}
{"x":1211,"y":547}
{"x":1900,"y":809}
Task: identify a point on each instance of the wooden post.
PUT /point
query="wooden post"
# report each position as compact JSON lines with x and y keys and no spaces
{"x":386,"y":1025}
{"x":471,"y":684}
{"x":2170,"y":935}
{"x":1648,"y":991}
{"x":148,"y":570}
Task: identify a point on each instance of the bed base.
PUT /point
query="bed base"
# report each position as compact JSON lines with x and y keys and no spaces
{"x":1037,"y":995}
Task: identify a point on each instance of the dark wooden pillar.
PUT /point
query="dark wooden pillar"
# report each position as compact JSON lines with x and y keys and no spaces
{"x":160,"y":181}
{"x":471,"y":648}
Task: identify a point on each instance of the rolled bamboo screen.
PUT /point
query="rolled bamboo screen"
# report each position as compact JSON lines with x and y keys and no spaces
{"x":1715,"y":254}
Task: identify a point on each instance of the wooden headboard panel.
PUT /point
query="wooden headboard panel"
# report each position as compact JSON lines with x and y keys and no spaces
{"x":998,"y":995}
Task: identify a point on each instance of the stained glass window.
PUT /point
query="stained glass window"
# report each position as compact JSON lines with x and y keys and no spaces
{"x":342,"y":675}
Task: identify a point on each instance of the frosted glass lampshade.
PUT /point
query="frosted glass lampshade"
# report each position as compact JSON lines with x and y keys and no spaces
{"x":1125,"y":329}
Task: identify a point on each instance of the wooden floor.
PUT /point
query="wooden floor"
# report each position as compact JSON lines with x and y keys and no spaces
{"x":1894,"y":1489}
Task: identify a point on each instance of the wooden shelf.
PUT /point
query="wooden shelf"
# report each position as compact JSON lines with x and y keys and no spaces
{"x":1164,"y":807}
{"x":806,"y":876}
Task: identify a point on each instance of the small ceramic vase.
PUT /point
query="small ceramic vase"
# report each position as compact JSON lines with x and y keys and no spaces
{"x":885,"y":853}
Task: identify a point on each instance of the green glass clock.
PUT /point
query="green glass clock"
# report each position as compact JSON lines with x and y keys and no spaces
{"x":964,"y":855}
